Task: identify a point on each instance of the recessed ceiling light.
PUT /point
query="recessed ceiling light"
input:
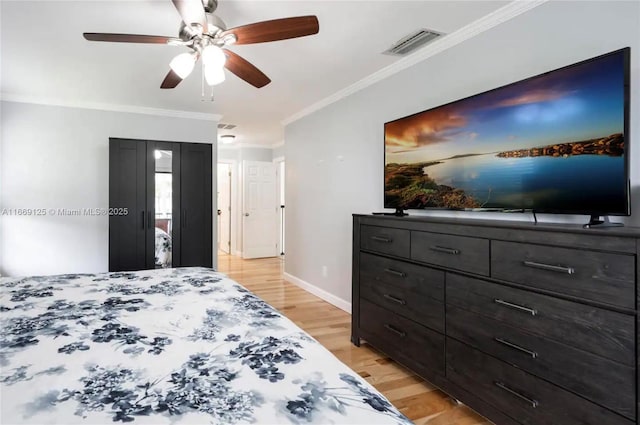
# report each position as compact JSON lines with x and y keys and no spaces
{"x":227,"y":138}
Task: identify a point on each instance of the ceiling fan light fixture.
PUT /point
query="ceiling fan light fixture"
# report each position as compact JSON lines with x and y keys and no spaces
{"x":213,"y":56}
{"x":229,"y":39}
{"x":213,"y":74}
{"x":183,"y":64}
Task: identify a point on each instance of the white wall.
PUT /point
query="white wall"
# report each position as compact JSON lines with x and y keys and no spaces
{"x":239,"y":153}
{"x":58,"y":157}
{"x":335,"y":155}
{"x":278,"y":152}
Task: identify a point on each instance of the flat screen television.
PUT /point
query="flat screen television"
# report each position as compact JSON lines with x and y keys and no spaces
{"x":553,"y":143}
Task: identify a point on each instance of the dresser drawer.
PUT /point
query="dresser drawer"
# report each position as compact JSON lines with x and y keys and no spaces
{"x":530,"y":400}
{"x":599,"y":331}
{"x":404,"y":340}
{"x":602,"y":277}
{"x":456,"y":252}
{"x":415,"y":292}
{"x":583,"y":373}
{"x":385,"y":240}
{"x":417,"y":280}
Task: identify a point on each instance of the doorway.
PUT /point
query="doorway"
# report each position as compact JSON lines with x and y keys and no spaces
{"x":224,"y":207}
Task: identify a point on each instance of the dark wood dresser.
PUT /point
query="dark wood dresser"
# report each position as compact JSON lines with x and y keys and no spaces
{"x":526,"y":324}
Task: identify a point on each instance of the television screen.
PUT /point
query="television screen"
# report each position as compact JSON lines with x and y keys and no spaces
{"x":554,"y":143}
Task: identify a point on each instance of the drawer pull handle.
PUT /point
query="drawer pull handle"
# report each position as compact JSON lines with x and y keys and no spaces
{"x":549,"y":267}
{"x":502,"y":386}
{"x":395,"y":299}
{"x":396,"y":272}
{"x":445,"y":250}
{"x":396,"y":331}
{"x":515,"y":306}
{"x":533,"y":354}
{"x":381,"y":239}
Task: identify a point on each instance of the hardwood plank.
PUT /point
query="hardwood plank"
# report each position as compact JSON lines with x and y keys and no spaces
{"x":417,"y":399}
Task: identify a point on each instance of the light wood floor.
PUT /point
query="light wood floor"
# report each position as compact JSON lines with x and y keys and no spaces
{"x":418,"y":400}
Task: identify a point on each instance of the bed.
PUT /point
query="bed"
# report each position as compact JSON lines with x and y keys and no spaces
{"x":176,"y":346}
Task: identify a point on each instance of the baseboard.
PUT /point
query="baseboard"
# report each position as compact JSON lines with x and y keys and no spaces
{"x":238,"y":253}
{"x":319,"y":292}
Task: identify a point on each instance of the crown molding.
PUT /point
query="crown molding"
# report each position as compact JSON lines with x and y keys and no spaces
{"x":495,"y":18}
{"x":8,"y":97}
{"x":227,"y":147}
{"x":240,"y":145}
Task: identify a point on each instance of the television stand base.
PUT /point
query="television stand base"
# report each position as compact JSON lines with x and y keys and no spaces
{"x":596,"y":222}
{"x":399,"y":213}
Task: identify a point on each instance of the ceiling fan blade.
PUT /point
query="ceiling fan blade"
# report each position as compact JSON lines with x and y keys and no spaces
{"x":245,"y":70}
{"x":128,"y":38}
{"x":277,"y":29}
{"x":192,"y":12}
{"x":171,"y":80}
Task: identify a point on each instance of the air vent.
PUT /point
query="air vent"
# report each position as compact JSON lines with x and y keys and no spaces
{"x":412,"y":42}
{"x":227,"y":126}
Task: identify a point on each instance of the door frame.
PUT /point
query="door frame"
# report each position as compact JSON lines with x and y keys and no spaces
{"x":234,"y":217}
{"x":280,"y":183}
{"x":220,"y":208}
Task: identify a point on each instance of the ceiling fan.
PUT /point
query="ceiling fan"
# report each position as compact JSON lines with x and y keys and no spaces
{"x":207,"y":37}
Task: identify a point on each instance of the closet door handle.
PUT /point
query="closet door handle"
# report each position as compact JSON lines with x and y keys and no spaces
{"x":143,"y":215}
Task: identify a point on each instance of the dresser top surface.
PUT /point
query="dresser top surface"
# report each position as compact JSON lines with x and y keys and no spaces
{"x":628,"y":232}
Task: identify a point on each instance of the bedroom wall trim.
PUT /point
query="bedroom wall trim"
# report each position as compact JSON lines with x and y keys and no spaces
{"x":318,"y":292}
{"x":7,"y":97}
{"x":248,"y":145}
{"x":471,"y":30}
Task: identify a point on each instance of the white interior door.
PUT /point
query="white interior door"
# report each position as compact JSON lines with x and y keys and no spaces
{"x":259,"y":230}
{"x":224,"y":207}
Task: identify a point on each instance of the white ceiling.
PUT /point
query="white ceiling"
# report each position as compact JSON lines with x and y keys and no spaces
{"x":44,"y":55}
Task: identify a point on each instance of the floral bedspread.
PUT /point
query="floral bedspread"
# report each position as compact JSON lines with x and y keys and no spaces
{"x":175,"y":346}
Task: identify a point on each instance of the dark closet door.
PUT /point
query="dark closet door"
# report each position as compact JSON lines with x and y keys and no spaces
{"x":196,"y":198}
{"x":127,"y":188}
